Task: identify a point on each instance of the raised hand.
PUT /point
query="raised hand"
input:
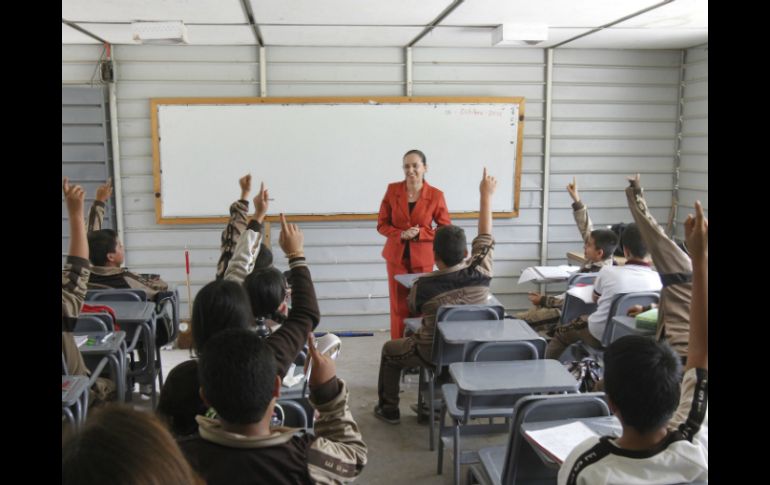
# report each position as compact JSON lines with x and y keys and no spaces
{"x":104,"y":192}
{"x":74,"y":196}
{"x":534,"y":297}
{"x":573,"y":190}
{"x":245,"y":183}
{"x":260,"y":202}
{"x":324,"y":368}
{"x":696,"y":232}
{"x":635,"y":181}
{"x":488,"y":184}
{"x":291,"y":239}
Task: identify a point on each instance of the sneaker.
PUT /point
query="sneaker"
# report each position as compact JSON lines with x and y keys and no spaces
{"x":391,"y":417}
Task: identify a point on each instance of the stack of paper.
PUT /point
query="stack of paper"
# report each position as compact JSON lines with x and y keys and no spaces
{"x":585,"y":293}
{"x":559,"y":441}
{"x":541,"y":274}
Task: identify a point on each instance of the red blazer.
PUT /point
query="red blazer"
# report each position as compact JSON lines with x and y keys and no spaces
{"x":394,"y":217}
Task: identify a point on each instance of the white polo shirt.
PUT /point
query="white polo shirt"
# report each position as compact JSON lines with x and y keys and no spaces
{"x":615,"y":280}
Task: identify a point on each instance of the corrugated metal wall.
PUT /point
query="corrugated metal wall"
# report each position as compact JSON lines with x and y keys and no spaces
{"x":694,"y":173}
{"x":614,"y":114}
{"x":85,"y":145}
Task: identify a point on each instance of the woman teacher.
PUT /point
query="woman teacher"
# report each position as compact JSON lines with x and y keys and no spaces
{"x":406,"y":218}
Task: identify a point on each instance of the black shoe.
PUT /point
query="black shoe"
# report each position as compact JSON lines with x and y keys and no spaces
{"x":422,"y":415}
{"x":389,"y":416}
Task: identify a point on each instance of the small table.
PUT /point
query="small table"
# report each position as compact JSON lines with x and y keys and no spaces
{"x":457,"y":339}
{"x":113,"y":346}
{"x":622,"y":325}
{"x":602,"y":426}
{"x":74,"y":394}
{"x":138,"y":320}
{"x":511,"y":378}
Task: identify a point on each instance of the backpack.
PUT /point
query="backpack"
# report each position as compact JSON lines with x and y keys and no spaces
{"x":165,"y":325}
{"x":88,"y":308}
{"x":587,"y":372}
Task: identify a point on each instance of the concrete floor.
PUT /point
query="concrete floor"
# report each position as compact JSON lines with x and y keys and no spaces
{"x":397,"y":453}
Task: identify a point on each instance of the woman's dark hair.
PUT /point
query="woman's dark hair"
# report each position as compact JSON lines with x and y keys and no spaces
{"x":419,"y":154}
{"x":219,"y":305}
{"x":266,"y":290}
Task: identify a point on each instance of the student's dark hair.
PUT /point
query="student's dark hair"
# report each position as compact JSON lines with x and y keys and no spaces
{"x":605,"y":240}
{"x":419,"y":154}
{"x":219,"y":305}
{"x":100,"y":244}
{"x":237,"y":373}
{"x":264,"y":258}
{"x":123,"y":446}
{"x":642,"y":377}
{"x":266,"y":290}
{"x":631,"y":239}
{"x":180,"y":400}
{"x":449,"y":244}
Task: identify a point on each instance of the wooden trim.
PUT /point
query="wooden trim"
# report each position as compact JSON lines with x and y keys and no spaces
{"x":155,"y":102}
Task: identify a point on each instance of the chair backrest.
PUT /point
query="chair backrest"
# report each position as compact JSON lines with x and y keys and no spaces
{"x":620,"y":305}
{"x":120,"y":294}
{"x":459,"y":313}
{"x":455,"y":313}
{"x":294,"y":415}
{"x":521,"y":462}
{"x":581,"y":279}
{"x":93,"y":322}
{"x":504,"y":351}
{"x":573,"y":308}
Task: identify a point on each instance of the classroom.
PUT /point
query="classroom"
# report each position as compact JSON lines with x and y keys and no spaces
{"x":373,"y":125}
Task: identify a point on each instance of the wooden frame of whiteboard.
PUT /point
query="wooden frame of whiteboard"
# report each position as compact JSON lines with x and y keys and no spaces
{"x":155,"y":102}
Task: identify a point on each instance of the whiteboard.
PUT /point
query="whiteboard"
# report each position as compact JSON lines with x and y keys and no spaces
{"x":330,"y":158}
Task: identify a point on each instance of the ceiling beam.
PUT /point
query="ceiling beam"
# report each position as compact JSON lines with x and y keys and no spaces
{"x":597,"y":29}
{"x":250,"y":16}
{"x":83,"y":31}
{"x":436,"y":21}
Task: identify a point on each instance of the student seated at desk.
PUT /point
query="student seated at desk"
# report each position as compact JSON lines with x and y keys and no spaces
{"x":238,"y":379}
{"x":665,"y":425}
{"x":456,"y":281}
{"x":635,"y":276}
{"x":224,"y":304}
{"x":599,"y":245}
{"x":73,"y":292}
{"x":121,"y":445}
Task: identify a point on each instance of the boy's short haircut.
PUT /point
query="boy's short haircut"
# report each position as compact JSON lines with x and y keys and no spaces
{"x":237,"y":373}
{"x":264,"y":258}
{"x":631,"y":239}
{"x":219,"y":305}
{"x":266,"y":290}
{"x":100,"y":244}
{"x":606,"y":240}
{"x":643,"y":378}
{"x":449,"y":244}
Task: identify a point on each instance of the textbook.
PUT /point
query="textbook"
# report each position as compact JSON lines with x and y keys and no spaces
{"x":557,"y":442}
{"x":547,"y":273}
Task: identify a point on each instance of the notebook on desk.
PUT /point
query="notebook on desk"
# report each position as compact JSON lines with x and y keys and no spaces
{"x":557,"y":442}
{"x":547,"y":273}
{"x":80,"y":339}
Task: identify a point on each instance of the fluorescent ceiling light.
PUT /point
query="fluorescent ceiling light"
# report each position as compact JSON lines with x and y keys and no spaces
{"x":166,"y":32}
{"x":519,"y":34}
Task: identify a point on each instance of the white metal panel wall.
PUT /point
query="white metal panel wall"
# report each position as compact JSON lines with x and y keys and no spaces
{"x":613,"y":123}
{"x":614,"y":114}
{"x":693,"y":173}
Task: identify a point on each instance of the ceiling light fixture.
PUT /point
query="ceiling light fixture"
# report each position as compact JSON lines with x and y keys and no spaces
{"x":172,"y":32}
{"x":519,"y":34}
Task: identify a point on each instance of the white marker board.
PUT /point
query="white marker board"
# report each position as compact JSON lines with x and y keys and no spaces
{"x":330,"y":158}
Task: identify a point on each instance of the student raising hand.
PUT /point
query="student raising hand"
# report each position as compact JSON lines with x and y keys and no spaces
{"x":291,"y":239}
{"x":103,"y":192}
{"x":696,"y":232}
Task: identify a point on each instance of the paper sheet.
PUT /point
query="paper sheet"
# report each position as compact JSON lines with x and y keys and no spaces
{"x":559,"y":441}
{"x":585,"y":293}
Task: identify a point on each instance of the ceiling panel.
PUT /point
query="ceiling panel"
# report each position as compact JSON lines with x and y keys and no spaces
{"x":338,"y":36}
{"x":196,"y":34}
{"x":680,"y":14}
{"x":554,"y":13}
{"x":347,"y":12}
{"x":482,"y":37}
{"x":641,"y":39}
{"x":189,"y":11}
{"x":72,"y":36}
